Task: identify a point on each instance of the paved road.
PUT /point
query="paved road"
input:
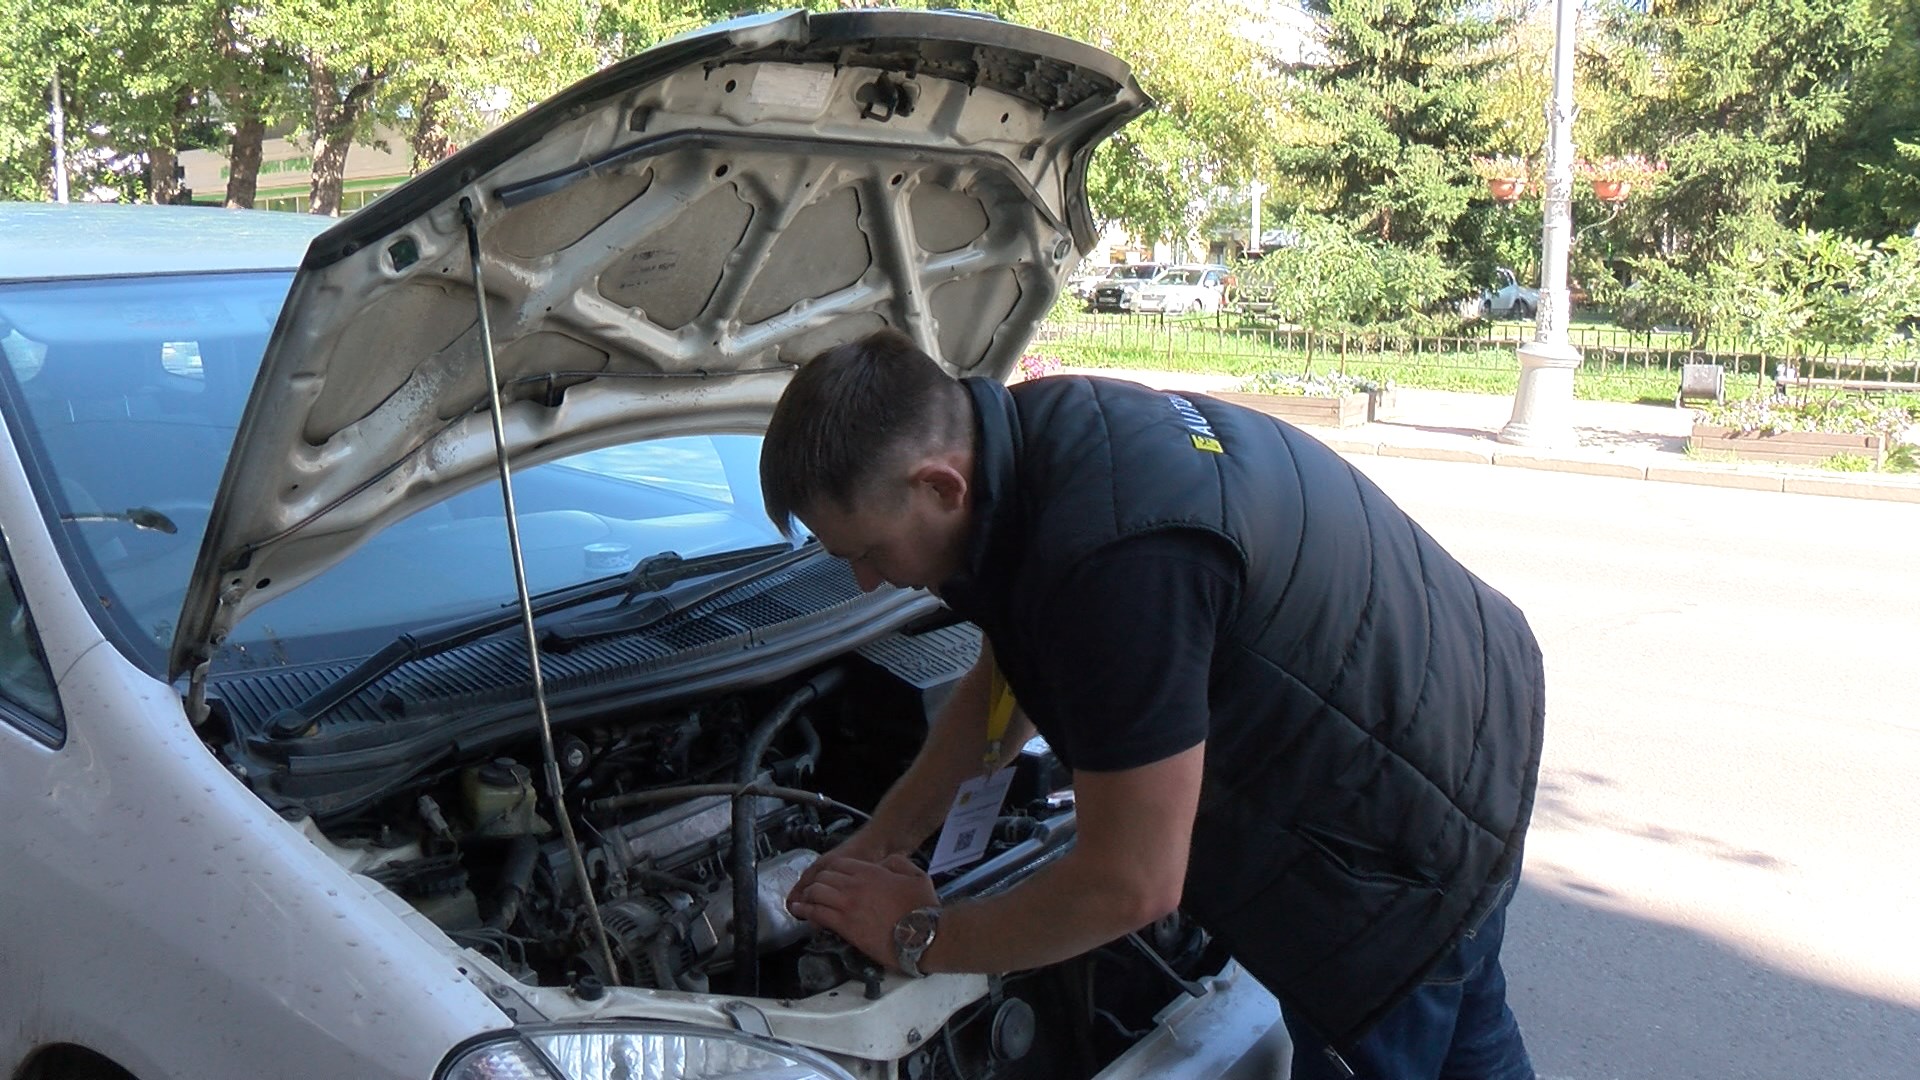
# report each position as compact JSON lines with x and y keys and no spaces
{"x":1723,"y":878}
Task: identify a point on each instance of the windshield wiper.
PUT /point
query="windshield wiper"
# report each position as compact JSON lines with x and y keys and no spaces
{"x":140,"y":517}
{"x":652,"y":575}
{"x":655,"y":574}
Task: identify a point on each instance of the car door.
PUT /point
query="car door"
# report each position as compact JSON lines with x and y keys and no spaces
{"x":1214,"y":289}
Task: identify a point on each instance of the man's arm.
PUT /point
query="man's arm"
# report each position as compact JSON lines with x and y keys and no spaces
{"x":1126,"y":870}
{"x":1135,"y":734}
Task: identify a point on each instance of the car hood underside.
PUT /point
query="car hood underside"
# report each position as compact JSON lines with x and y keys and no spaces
{"x":659,"y":247}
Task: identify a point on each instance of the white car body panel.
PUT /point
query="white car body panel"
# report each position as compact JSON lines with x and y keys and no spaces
{"x":160,"y":915}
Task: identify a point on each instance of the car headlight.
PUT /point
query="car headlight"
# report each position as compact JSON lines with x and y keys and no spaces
{"x":638,"y":1052}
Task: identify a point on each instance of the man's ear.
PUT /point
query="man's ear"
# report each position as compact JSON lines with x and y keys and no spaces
{"x":947,"y":482}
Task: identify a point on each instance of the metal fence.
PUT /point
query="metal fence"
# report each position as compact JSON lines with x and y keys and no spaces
{"x":1476,"y":355}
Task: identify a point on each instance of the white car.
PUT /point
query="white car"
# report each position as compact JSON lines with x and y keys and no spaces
{"x":1088,"y":278}
{"x":286,"y":794}
{"x":1191,"y":289}
{"x":1118,"y":290}
{"x":1508,"y":299}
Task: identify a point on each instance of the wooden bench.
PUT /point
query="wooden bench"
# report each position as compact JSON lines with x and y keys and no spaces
{"x":1782,"y":383}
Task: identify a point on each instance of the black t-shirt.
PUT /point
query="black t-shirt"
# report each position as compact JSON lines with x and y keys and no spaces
{"x":1131,"y":635}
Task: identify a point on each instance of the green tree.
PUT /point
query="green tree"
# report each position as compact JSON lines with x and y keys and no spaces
{"x":1752,"y":87}
{"x":1334,"y":279}
{"x":132,"y":75}
{"x":344,"y":51}
{"x":1397,"y":113}
{"x":1218,"y":106}
{"x":1864,"y":175}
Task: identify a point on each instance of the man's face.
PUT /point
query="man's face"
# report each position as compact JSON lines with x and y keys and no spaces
{"x":914,"y":538}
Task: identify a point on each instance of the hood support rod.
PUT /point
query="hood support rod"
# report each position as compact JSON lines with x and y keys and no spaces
{"x":552,"y":762}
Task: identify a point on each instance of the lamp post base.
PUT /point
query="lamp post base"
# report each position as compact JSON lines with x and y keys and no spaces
{"x":1543,"y":405}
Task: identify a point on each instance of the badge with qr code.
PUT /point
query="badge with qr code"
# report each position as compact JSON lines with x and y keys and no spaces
{"x":976,"y":806}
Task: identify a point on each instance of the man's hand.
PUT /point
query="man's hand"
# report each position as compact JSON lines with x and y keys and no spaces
{"x":861,"y":901}
{"x":865,"y":845}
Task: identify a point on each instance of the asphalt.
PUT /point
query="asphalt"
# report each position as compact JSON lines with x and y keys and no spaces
{"x":1635,"y":442}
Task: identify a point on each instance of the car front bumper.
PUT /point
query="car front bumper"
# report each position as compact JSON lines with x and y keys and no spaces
{"x":1232,"y":1031}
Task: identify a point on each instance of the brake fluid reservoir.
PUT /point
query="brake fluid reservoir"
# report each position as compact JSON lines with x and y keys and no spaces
{"x":500,"y":799}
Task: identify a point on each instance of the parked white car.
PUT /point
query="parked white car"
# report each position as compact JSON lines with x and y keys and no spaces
{"x":1117,"y":291}
{"x":285,"y":794}
{"x":1188,"y":289}
{"x":1087,"y":278}
{"x":1508,"y":299}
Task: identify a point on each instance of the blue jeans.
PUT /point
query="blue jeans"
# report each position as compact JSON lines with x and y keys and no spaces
{"x":1456,"y":1026}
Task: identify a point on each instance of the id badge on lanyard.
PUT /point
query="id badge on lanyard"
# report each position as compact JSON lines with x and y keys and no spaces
{"x":976,"y":805}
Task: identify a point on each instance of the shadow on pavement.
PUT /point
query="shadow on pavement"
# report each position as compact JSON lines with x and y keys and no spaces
{"x":1606,"y":996}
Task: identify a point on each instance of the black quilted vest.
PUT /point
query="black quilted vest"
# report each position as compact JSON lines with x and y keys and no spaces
{"x":1376,"y":710}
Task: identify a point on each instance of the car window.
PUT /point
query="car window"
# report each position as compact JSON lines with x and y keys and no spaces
{"x":583,"y":517}
{"x":26,"y":683}
{"x":132,"y":390}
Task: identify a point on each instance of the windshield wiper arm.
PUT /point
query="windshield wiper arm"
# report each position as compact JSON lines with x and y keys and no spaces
{"x":140,"y":517}
{"x":665,"y":569}
{"x":651,"y":575}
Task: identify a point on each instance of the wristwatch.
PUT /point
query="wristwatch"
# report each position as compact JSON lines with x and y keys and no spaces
{"x":912,"y":936}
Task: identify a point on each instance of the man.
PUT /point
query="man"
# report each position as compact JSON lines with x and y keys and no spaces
{"x":1287,"y":710}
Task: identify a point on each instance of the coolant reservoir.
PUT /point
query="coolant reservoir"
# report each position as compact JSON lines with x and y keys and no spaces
{"x":500,"y":799}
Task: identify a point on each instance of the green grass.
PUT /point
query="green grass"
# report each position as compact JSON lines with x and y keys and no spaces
{"x":1198,"y":345}
{"x":1618,"y":365}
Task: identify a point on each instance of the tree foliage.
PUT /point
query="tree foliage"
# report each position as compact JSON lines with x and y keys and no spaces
{"x":1332,"y":278}
{"x":1395,"y":114}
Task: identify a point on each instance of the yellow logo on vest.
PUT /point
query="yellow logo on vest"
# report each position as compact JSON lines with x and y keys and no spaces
{"x":1199,"y":430}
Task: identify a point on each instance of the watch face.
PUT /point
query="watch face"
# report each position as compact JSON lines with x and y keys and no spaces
{"x":914,"y":930}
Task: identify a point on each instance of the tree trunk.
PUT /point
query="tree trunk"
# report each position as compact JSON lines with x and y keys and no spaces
{"x":161,"y":162}
{"x":163,"y":158}
{"x":430,"y":140}
{"x":243,"y":157}
{"x":336,"y":117}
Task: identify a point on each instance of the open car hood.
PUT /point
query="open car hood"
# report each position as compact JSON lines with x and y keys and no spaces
{"x":660,"y":244}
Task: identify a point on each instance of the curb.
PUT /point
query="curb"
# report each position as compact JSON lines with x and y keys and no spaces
{"x":1845,"y":485}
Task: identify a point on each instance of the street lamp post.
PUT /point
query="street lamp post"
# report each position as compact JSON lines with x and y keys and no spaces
{"x":1543,"y":405}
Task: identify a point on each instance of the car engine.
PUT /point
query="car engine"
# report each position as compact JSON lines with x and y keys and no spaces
{"x":695,"y":820}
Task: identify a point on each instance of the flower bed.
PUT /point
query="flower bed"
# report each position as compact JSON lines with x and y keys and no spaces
{"x":1313,"y":400}
{"x":1789,"y":447}
{"x":1800,"y":431}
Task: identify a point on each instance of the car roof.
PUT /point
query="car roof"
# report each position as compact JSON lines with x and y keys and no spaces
{"x":40,"y":241}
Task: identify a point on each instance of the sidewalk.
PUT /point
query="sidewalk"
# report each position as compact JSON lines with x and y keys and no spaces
{"x":1637,"y":442}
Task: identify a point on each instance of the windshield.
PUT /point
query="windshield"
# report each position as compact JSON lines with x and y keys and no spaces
{"x":1136,"y":273}
{"x":129,"y":392}
{"x":1179,"y":277}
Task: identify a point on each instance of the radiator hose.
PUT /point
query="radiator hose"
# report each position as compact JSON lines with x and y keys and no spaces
{"x":745,"y":871}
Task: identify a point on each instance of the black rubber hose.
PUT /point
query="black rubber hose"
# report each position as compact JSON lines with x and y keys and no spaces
{"x":812,"y":738}
{"x":516,"y":879}
{"x":745,"y":872}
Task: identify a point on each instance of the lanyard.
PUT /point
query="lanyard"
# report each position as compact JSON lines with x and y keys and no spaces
{"x":1000,"y":705}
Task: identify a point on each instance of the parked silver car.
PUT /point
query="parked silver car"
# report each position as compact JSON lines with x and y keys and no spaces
{"x":1117,"y":292}
{"x":287,"y":795}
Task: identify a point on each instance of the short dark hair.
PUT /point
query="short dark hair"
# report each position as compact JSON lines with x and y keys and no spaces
{"x":850,"y":414}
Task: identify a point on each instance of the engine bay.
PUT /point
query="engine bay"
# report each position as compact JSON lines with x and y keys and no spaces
{"x":694,"y":821}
